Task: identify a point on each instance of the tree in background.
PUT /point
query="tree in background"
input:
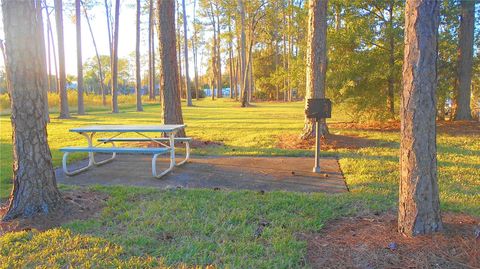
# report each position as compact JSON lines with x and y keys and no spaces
{"x":316,"y":61}
{"x":100,"y":69}
{"x":34,"y":185}
{"x":62,"y":87}
{"x":115,"y":58}
{"x":151,"y":52}
{"x":465,"y":61}
{"x":187,"y":77}
{"x":78,"y":24}
{"x":419,"y":205}
{"x":138,"y":79}
{"x":171,"y":106}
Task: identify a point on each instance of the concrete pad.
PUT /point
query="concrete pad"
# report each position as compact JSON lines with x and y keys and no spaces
{"x":252,"y":173}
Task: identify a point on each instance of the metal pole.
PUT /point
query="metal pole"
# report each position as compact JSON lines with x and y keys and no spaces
{"x":316,"y":168}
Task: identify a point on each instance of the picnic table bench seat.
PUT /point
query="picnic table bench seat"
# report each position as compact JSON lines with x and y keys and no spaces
{"x":114,"y":150}
{"x":185,"y":140}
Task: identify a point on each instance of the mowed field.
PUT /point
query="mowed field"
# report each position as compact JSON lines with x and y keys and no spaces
{"x":142,"y":227}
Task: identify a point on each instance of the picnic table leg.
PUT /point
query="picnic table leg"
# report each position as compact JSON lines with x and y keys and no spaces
{"x":171,"y":136}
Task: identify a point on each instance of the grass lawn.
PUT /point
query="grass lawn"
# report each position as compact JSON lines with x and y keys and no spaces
{"x":142,"y":227}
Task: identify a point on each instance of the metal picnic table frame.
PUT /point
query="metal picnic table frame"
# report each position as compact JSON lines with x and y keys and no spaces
{"x":142,"y":130}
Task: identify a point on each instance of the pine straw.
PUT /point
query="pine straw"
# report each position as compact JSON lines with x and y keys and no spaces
{"x":363,"y":242}
{"x":79,"y":204}
{"x":329,"y":142}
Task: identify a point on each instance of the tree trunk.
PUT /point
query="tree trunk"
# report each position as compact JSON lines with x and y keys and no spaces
{"x":62,"y":81}
{"x":316,"y":61}
{"x":100,"y":70}
{"x":171,"y":105}
{"x":115,"y":59}
{"x":151,"y":91}
{"x":138,"y":79}
{"x":34,"y":185}
{"x":419,"y":206}
{"x":219,"y":61}
{"x":78,"y":24}
{"x":110,"y":44}
{"x":187,"y":77}
{"x":465,"y":61}
{"x":49,"y":58}
{"x":50,"y":36}
{"x":194,"y":47}
{"x":243,"y":72}
{"x":230,"y":56}
{"x":179,"y":51}
{"x":43,"y":57}
{"x":153,"y":56}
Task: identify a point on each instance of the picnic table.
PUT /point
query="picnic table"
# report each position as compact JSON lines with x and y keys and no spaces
{"x":164,"y":144}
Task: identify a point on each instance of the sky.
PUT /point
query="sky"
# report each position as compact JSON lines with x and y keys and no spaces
{"x":127,"y":27}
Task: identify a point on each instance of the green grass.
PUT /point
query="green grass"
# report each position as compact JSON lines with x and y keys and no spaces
{"x":142,"y":227}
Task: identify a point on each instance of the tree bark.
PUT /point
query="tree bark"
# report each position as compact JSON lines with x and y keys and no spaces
{"x":187,"y":77}
{"x":78,"y":24}
{"x":138,"y":79}
{"x":34,"y":185}
{"x":465,"y":61}
{"x":171,"y":106}
{"x":150,"y":49}
{"x":419,"y":206}
{"x":50,"y":36}
{"x":195,"y":52}
{"x":115,"y":59}
{"x":243,"y":72}
{"x":219,"y":60}
{"x":43,"y":56}
{"x":62,"y":81}
{"x":316,"y":62}
{"x":230,"y":57}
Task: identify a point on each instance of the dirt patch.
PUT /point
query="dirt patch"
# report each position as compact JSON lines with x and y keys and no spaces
{"x":328,"y":142}
{"x":448,"y":127}
{"x":80,"y":204}
{"x":373,"y":242}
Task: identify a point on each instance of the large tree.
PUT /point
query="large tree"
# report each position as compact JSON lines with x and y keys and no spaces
{"x":138,"y":79}
{"x":171,"y":106}
{"x":316,"y":60}
{"x":419,"y":206}
{"x":62,"y":80}
{"x":34,"y":185}
{"x":78,"y":24}
{"x":465,"y":61}
{"x":115,"y":58}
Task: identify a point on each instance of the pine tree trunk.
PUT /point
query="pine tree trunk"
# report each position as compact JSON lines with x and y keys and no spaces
{"x":43,"y":56}
{"x":187,"y":77}
{"x":219,"y":61}
{"x":62,"y":81}
{"x":78,"y":24}
{"x":150,"y":49}
{"x":419,"y":206}
{"x":171,"y":106}
{"x":243,"y":71}
{"x":230,"y":58}
{"x":195,"y":52}
{"x":115,"y":59}
{"x":50,"y":36}
{"x":465,"y":61}
{"x":34,"y":185}
{"x":316,"y":61}
{"x":138,"y":79}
